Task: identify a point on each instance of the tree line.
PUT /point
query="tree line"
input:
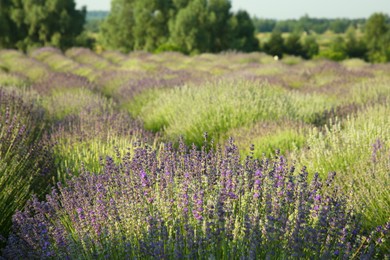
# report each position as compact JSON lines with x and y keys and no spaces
{"x":308,"y":24}
{"x":188,"y":26}
{"x":26,"y":24}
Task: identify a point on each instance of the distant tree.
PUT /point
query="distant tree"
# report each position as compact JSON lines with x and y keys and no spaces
{"x":190,"y":26}
{"x":293,"y":45}
{"x":264,"y":25}
{"x":243,"y":33}
{"x":275,"y":45}
{"x":39,"y":23}
{"x":286,"y":26}
{"x":117,"y":29}
{"x":336,"y":50}
{"x":354,"y":48}
{"x":310,"y":47}
{"x":150,"y":28}
{"x":189,"y":30}
{"x":377,"y":30}
{"x":339,"y":25}
{"x":5,"y":24}
{"x":219,"y":16}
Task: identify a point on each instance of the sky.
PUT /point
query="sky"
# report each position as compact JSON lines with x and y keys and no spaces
{"x":286,"y":9}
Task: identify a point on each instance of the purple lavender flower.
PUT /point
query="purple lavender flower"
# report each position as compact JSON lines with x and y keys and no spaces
{"x":134,"y":209}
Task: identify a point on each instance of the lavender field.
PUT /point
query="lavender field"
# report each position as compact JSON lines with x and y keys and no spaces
{"x":214,"y":156}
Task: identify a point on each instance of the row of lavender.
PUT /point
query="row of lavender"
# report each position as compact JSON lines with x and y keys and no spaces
{"x":170,"y":204}
{"x":162,"y":203}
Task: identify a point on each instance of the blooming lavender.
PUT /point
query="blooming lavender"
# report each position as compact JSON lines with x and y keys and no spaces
{"x":24,"y":160}
{"x":188,"y":203}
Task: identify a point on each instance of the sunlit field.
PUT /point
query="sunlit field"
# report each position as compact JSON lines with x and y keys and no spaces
{"x":214,"y":156}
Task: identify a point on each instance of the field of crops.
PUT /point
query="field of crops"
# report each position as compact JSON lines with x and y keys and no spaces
{"x":166,"y":156}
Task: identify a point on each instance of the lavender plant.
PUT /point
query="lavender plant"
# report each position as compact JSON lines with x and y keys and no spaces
{"x":186,"y":203}
{"x":63,"y":102}
{"x":57,"y":61}
{"x":357,"y":148}
{"x":11,"y":79}
{"x":26,"y":66}
{"x":79,"y":141}
{"x":88,"y":57}
{"x":24,"y":163}
{"x":220,"y":106}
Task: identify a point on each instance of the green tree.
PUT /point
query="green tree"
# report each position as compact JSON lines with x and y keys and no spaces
{"x":5,"y":24}
{"x":40,"y":23}
{"x":243,"y":33}
{"x":339,"y":25}
{"x":264,"y":25}
{"x":377,"y":37}
{"x":151,"y":24}
{"x":190,"y":26}
{"x":310,"y":47}
{"x":219,"y":16}
{"x":354,"y":48}
{"x":336,"y":51}
{"x":275,"y":45}
{"x":293,"y":45}
{"x":117,"y":28}
{"x":189,"y":29}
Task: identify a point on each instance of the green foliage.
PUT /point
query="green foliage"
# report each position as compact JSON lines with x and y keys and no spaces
{"x":358,"y":150}
{"x":6,"y":27}
{"x":377,"y":36}
{"x":306,"y":23}
{"x":192,"y":26}
{"x":293,"y":45}
{"x":7,"y":79}
{"x":266,"y":138}
{"x":41,"y":23}
{"x":150,"y":28}
{"x":336,"y":51}
{"x":354,"y":47}
{"x":23,"y":161}
{"x":190,"y":111}
{"x":275,"y":46}
{"x":83,"y":143}
{"x":339,"y":25}
{"x":189,"y":28}
{"x":67,"y":102}
{"x":117,"y":28}
{"x":242,"y":33}
{"x":310,"y":47}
